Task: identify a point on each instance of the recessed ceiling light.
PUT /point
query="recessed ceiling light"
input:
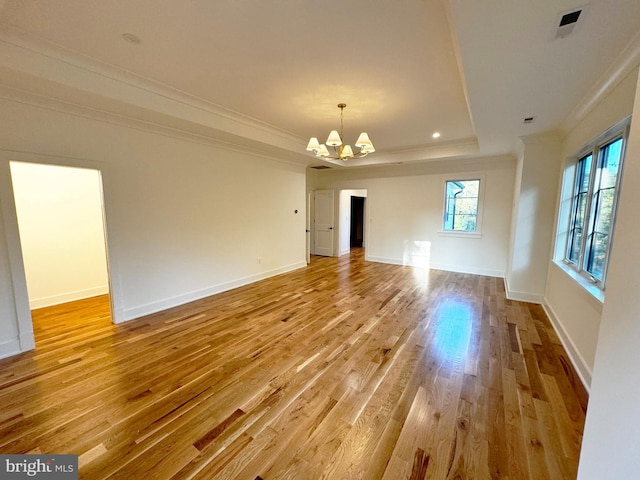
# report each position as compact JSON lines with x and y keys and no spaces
{"x":436,"y":135}
{"x":131,"y":38}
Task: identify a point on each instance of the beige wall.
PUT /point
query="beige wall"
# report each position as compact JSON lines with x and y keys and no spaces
{"x":185,"y":219}
{"x":610,"y":445}
{"x":533,"y":217}
{"x":574,"y":311}
{"x":405,"y":212}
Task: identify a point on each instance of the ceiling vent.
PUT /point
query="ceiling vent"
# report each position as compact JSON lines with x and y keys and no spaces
{"x":527,"y":120}
{"x":567,"y":22}
{"x":320,"y":167}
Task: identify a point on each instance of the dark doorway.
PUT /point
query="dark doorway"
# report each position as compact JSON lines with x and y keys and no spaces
{"x":357,"y":221}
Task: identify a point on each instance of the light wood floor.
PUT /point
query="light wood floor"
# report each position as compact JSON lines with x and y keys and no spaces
{"x":345,"y":369}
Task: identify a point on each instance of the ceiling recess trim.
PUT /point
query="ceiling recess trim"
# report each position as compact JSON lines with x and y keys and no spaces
{"x":625,"y":62}
{"x":40,"y":59}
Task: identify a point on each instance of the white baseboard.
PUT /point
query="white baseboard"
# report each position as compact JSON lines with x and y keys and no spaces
{"x":521,"y":296}
{"x":68,"y":297}
{"x":23,"y":343}
{"x":578,"y":362}
{"x":392,"y":261}
{"x":142,"y":310}
{"x":27,"y":341}
{"x":9,"y":348}
{"x":488,"y":272}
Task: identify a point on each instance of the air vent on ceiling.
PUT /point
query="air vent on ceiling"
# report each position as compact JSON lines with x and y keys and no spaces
{"x":568,"y":21}
{"x":321,"y":167}
{"x":528,"y":120}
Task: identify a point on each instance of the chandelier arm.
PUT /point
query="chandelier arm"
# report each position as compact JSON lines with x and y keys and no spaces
{"x":338,"y":149}
{"x":337,"y":157}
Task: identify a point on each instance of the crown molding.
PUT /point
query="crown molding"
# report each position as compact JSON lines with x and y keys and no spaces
{"x":435,"y":167}
{"x":625,"y":62}
{"x":44,"y":74}
{"x":420,"y":153}
{"x":36,"y":59}
{"x":454,"y":34}
{"x":12,"y":94}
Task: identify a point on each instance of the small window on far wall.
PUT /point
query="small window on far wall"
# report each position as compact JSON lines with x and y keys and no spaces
{"x":461,"y":205}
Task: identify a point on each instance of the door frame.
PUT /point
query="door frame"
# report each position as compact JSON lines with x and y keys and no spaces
{"x":16,"y":261}
{"x":308,"y":230}
{"x":344,"y":205}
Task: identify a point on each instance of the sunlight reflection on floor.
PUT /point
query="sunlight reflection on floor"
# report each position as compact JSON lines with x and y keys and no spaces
{"x":453,"y":329}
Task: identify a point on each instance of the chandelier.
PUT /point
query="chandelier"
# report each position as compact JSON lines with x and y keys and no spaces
{"x":339,"y":151}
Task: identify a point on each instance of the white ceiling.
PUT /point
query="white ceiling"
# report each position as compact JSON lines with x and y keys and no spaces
{"x":268,"y":75}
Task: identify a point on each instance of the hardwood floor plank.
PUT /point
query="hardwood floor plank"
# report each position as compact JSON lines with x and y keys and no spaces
{"x":514,"y":426}
{"x":420,"y":465}
{"x":344,"y":369}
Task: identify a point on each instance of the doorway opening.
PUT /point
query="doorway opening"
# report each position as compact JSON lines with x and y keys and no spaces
{"x":60,"y":217}
{"x":356,"y":239}
{"x":353,"y":228}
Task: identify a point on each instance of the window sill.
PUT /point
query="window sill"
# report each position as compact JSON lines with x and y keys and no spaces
{"x":450,"y":233}
{"x":592,"y":289}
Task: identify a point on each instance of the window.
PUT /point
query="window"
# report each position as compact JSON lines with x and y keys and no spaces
{"x":595,"y":188}
{"x":461,"y":205}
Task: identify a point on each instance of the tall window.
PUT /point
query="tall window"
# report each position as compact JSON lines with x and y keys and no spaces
{"x":461,"y":205}
{"x":593,"y":205}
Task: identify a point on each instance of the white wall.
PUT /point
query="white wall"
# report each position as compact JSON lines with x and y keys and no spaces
{"x":345,"y":218}
{"x":61,"y":232}
{"x":405,"y":211}
{"x":575,"y":312}
{"x":517,"y":187}
{"x":9,"y":338}
{"x":612,"y":429}
{"x":185,"y":219}
{"x":16,"y":330}
{"x":533,"y":217}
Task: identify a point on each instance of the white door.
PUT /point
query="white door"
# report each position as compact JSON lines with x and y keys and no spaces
{"x":308,"y":228}
{"x":324,"y":222}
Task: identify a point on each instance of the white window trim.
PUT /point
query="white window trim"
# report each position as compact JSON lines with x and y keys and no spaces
{"x":458,"y":233}
{"x":593,"y":286}
{"x":477,"y":233}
